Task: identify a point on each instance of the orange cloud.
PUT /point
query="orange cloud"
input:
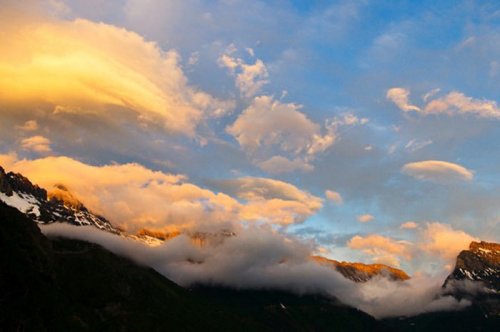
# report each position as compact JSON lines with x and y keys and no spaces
{"x":135,"y":197}
{"x":272,"y":200}
{"x":443,"y":240}
{"x":381,"y":248}
{"x":85,"y":67}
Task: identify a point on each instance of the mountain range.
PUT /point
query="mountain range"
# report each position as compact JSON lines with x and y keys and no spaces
{"x":56,"y":284}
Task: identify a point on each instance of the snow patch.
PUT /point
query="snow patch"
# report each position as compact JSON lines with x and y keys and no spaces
{"x":23,"y":202}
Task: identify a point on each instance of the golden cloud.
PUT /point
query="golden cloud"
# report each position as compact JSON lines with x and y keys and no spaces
{"x":133,"y":196}
{"x":85,"y":67}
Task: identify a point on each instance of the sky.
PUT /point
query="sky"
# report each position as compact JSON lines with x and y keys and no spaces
{"x":366,"y":129}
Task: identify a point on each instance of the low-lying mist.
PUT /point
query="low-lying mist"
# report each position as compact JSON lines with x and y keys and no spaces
{"x":260,"y":258}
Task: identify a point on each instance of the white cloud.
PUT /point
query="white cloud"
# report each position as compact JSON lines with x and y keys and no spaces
{"x":458,"y":103}
{"x":453,"y":103}
{"x":269,"y":122}
{"x":261,"y":258}
{"x":414,"y":145}
{"x":250,"y":78}
{"x":399,"y":96}
{"x":437,"y":171}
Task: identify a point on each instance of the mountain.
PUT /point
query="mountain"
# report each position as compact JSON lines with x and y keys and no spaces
{"x":480,"y":263}
{"x":476,"y":279}
{"x":58,"y":206}
{"x":360,"y":272}
{"x":67,"y":285}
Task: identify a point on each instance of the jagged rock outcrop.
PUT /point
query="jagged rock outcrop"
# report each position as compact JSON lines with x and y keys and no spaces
{"x":476,"y":277}
{"x":57,"y":206}
{"x":480,"y":263}
{"x":360,"y":272}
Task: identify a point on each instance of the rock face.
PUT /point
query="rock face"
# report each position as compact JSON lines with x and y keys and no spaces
{"x":360,"y":272}
{"x":480,"y":263}
{"x":476,"y":277}
{"x":58,"y":206}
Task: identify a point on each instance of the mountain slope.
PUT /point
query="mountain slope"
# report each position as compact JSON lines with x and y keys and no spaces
{"x":475,"y":278}
{"x":480,"y":263}
{"x":66,"y":285}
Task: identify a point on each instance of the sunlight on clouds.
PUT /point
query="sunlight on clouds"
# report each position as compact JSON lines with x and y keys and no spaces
{"x":272,"y":200}
{"x":267,"y":121}
{"x":451,"y":104}
{"x":37,"y":143}
{"x":399,"y":96}
{"x":135,"y":197}
{"x":87,"y":67}
{"x":444,"y":241}
{"x":250,"y":78}
{"x":334,"y":197}
{"x":365,"y":218}
{"x":437,"y":171}
{"x":381,"y":248}
{"x":268,"y":126}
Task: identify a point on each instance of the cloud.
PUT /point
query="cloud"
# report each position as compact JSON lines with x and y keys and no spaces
{"x":453,"y":103}
{"x":458,"y":103}
{"x":414,"y":145}
{"x":270,"y":122}
{"x":250,"y":78}
{"x":134,"y":197}
{"x":334,"y":197}
{"x":259,"y":258}
{"x":444,"y":241}
{"x":382,"y":249}
{"x":37,"y":143}
{"x":280,"y":164}
{"x":399,"y":96}
{"x":30,"y":125}
{"x":365,"y":218}
{"x":437,"y":171}
{"x":271,"y":200}
{"x":84,"y":67}
{"x":267,"y":129}
{"x":409,"y":225}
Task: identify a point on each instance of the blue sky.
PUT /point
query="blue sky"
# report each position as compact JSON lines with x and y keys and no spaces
{"x":327,"y":69}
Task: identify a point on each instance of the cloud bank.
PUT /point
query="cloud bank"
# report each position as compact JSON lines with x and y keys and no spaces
{"x":133,"y":196}
{"x":262,"y":259}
